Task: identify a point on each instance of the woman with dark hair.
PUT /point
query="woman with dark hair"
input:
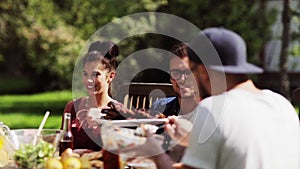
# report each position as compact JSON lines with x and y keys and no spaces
{"x":99,"y":69}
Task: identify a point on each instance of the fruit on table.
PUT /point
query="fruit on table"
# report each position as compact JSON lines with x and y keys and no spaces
{"x":68,"y":153}
{"x":72,"y":163}
{"x":53,"y":163}
{"x":71,"y":160}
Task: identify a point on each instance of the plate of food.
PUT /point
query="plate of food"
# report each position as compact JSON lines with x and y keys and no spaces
{"x":137,"y":122}
{"x":115,"y":137}
{"x":141,"y":163}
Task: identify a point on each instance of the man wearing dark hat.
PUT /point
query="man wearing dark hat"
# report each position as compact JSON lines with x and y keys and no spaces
{"x":239,"y":126}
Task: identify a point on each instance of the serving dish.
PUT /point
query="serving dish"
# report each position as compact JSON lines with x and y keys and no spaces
{"x":135,"y":122}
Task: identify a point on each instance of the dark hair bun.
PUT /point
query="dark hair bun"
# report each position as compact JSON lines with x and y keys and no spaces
{"x":105,"y":47}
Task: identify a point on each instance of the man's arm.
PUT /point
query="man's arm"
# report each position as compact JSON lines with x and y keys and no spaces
{"x":163,"y":161}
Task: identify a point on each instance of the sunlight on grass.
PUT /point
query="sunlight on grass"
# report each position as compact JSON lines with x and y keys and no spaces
{"x":40,"y":100}
{"x":27,"y":111}
{"x":20,"y":120}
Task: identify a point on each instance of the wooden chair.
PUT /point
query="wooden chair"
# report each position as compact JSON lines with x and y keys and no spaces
{"x":143,"y":95}
{"x":296,"y":98}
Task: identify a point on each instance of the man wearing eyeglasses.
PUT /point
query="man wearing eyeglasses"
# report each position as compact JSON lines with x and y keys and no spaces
{"x":187,"y":97}
{"x":240,"y":126}
{"x":183,"y":84}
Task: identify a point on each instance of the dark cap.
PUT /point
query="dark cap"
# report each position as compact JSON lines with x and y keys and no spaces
{"x":222,"y":50}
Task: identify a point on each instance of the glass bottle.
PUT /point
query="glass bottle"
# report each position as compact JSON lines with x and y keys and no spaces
{"x":111,"y":160}
{"x":110,"y":157}
{"x":66,"y":140}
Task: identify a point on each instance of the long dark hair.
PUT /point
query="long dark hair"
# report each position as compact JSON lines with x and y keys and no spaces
{"x":105,"y":46}
{"x":104,"y":52}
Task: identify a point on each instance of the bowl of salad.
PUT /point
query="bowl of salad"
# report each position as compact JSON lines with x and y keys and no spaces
{"x":27,"y":136}
{"x":32,"y":151}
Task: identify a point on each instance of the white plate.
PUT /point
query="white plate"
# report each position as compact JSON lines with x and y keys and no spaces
{"x":142,"y":164}
{"x":137,"y":122}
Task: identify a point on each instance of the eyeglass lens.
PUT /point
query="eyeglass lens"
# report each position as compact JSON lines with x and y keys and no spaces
{"x":177,"y":74}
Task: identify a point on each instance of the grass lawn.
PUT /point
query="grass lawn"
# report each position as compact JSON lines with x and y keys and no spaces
{"x":18,"y":120}
{"x":27,"y":111}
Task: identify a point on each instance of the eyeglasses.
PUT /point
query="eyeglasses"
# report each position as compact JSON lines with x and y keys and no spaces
{"x":177,"y":74}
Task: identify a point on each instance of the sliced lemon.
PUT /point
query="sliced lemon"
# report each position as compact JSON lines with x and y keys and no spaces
{"x":3,"y":158}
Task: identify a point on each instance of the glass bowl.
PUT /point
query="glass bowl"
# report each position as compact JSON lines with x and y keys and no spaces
{"x":27,"y":136}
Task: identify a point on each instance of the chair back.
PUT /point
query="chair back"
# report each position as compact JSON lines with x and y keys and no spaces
{"x":296,"y":98}
{"x":142,"y":95}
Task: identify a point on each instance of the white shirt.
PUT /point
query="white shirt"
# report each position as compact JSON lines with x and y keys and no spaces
{"x":243,"y":130}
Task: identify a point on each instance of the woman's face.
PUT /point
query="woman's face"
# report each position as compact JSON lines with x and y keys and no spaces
{"x":96,"y":78}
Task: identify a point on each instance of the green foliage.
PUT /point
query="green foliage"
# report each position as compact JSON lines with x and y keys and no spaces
{"x":12,"y":84}
{"x":248,"y":18}
{"x":295,"y":34}
{"x":295,"y":51}
{"x":43,"y":39}
{"x":51,"y":45}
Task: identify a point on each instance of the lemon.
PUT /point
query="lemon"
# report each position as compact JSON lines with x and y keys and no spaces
{"x":1,"y":141}
{"x":3,"y":158}
{"x":72,"y":163}
{"x":66,"y":154}
{"x":53,"y":163}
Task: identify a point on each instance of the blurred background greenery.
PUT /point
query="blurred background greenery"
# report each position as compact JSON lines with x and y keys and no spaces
{"x":41,"y":40}
{"x":27,"y":111}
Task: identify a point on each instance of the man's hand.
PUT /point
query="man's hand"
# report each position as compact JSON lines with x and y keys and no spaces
{"x":179,"y":129}
{"x":149,"y":149}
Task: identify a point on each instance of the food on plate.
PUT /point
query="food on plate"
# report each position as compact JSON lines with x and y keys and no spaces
{"x":115,"y":137}
{"x":126,"y":137}
{"x":92,"y":159}
{"x":96,"y":163}
{"x":141,"y":131}
{"x":141,"y":163}
{"x":160,"y":116}
{"x":92,"y":155}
